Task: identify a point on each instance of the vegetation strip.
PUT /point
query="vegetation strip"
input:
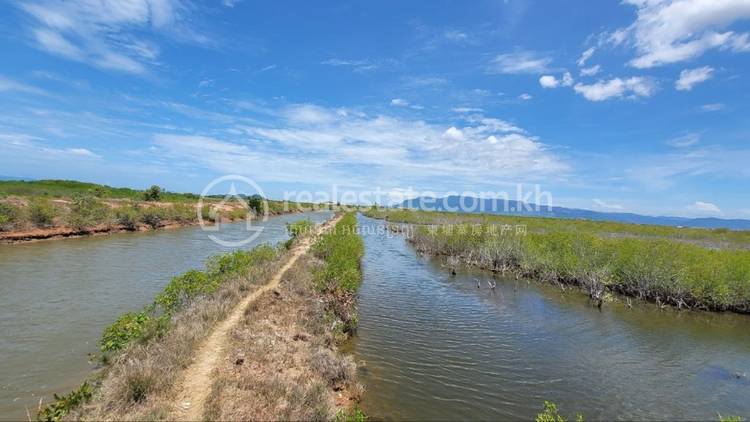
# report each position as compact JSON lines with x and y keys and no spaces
{"x":142,"y":352}
{"x":48,"y":209}
{"x":660,"y":270}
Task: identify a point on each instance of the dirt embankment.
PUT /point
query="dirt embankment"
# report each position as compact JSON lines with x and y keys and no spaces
{"x":263,"y":347}
{"x":65,"y":232}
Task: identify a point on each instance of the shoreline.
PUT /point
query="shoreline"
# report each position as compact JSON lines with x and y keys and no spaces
{"x":65,"y":232}
{"x":218,"y":304}
{"x":502,"y":261}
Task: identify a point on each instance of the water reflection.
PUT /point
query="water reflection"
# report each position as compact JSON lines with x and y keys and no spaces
{"x":56,"y":296}
{"x":434,"y":346}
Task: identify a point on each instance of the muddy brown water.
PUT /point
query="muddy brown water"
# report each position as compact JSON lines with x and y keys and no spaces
{"x":57,"y":296}
{"x":432,"y":346}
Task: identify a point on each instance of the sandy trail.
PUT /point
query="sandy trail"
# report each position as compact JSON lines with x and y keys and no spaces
{"x":195,"y":384}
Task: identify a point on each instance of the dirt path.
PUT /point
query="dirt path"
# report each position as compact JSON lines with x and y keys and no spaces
{"x":195,"y":384}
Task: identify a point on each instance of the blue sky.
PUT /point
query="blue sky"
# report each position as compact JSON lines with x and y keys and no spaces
{"x":638,"y":105}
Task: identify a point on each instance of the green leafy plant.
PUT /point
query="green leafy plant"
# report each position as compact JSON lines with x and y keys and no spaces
{"x":87,"y":211}
{"x":152,"y":194}
{"x":41,"y":212}
{"x":551,"y":414}
{"x":64,"y":404}
{"x":10,"y":215}
{"x":128,"y":327}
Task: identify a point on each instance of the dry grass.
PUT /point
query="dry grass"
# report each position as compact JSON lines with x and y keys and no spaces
{"x":139,"y":382}
{"x":282,"y":362}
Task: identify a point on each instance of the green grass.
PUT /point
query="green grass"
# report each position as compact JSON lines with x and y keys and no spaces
{"x":70,"y":188}
{"x":722,"y":238}
{"x":338,"y":279}
{"x":154,"y":319}
{"x":658,"y":269}
{"x":342,"y":250}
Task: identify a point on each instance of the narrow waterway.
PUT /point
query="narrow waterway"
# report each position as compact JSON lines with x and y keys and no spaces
{"x":57,"y":296}
{"x":432,"y":346}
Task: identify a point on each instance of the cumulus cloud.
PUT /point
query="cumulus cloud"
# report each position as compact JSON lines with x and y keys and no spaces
{"x":399,"y":102}
{"x":525,"y":96}
{"x":671,"y":31}
{"x":549,"y":81}
{"x":333,"y":145}
{"x":691,"y":77}
{"x":519,"y":63}
{"x":106,"y":34}
{"x":704,"y":208}
{"x":617,"y":88}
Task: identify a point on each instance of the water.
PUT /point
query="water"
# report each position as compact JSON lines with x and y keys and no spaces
{"x":57,"y":296}
{"x":434,"y":346}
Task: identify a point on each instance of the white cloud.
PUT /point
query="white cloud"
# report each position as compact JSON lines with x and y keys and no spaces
{"x":700,"y":207}
{"x":454,"y":134}
{"x":617,"y":88}
{"x":467,"y":110}
{"x":690,"y":77}
{"x":334,"y":145}
{"x":685,"y":141}
{"x":398,"y":102}
{"x":713,"y":107}
{"x":567,"y":79}
{"x":525,"y":96}
{"x":82,"y":152}
{"x":7,"y":85}
{"x":106,"y":34}
{"x":591,"y":71}
{"x":456,"y":36}
{"x":605,"y":206}
{"x":518,"y":63}
{"x":356,"y":65}
{"x":585,"y":56}
{"x":671,"y":31}
{"x":549,"y":81}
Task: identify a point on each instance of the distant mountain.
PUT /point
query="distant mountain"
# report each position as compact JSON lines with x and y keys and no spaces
{"x":511,"y":207}
{"x":13,"y":178}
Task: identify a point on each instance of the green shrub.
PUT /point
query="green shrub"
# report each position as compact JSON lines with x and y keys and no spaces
{"x":297,"y":229}
{"x":10,"y":216}
{"x":153,"y":216}
{"x":128,"y":327}
{"x":87,"y":211}
{"x":182,"y":213}
{"x":551,"y":414}
{"x":127,"y":216}
{"x":64,"y":404}
{"x":342,"y":250}
{"x":41,"y":212}
{"x":152,"y":194}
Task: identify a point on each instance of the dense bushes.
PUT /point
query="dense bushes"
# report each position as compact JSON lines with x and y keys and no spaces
{"x":657,"y":269}
{"x":10,"y":215}
{"x":87,"y":211}
{"x":41,"y":213}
